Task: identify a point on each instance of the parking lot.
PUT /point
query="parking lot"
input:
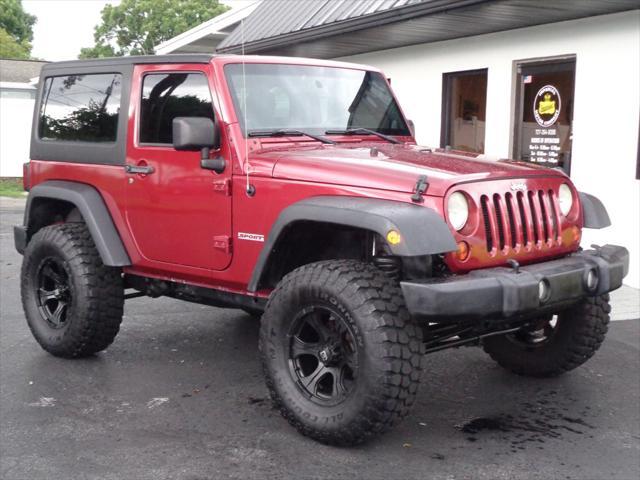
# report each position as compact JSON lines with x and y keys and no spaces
{"x":180,"y":395}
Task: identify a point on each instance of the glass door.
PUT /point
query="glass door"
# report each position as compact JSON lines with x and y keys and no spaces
{"x":544,"y":113}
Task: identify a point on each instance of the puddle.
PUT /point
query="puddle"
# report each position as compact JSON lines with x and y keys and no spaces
{"x":479,"y":424}
{"x":534,"y":424}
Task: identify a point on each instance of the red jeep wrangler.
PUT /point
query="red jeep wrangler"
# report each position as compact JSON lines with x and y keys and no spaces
{"x":293,"y":189}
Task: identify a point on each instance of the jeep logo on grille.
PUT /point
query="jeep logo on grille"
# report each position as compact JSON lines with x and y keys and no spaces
{"x":518,"y":187}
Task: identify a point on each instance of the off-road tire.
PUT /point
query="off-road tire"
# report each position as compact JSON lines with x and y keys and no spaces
{"x":390,"y":350}
{"x":579,"y":333}
{"x":95,"y":308}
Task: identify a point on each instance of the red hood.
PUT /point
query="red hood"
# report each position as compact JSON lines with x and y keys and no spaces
{"x":389,"y":167}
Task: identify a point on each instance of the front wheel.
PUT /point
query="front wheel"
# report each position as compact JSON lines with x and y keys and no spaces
{"x":556,"y":344}
{"x":341,"y":355}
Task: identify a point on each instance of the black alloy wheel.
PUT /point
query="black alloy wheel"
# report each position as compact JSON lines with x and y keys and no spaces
{"x":323,"y":355}
{"x":342,"y":356}
{"x":54,"y":292}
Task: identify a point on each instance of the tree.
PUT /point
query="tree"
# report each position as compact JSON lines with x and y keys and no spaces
{"x":9,"y":48}
{"x":134,"y":27}
{"x":16,"y":30}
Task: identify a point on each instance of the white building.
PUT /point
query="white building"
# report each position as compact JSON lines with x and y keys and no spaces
{"x":603,"y":55}
{"x":551,"y":82}
{"x":17,"y":97}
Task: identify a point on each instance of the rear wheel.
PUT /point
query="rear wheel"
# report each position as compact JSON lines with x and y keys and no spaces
{"x":340,"y":352}
{"x":73,"y":303}
{"x":554,"y":344}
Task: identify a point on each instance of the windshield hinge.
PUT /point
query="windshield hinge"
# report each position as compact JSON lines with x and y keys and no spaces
{"x":223,"y":186}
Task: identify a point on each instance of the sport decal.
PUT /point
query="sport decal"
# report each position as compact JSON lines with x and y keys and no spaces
{"x":253,"y":237}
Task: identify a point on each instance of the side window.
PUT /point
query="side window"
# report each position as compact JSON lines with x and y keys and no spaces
{"x":80,"y":108}
{"x":170,"y":95}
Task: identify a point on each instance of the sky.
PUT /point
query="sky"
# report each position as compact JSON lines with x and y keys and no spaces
{"x":65,"y":26}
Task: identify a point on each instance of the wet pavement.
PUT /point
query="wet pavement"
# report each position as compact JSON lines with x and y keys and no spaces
{"x":180,"y":395}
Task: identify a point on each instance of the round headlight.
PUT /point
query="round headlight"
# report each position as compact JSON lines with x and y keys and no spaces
{"x":458,"y":210}
{"x":565,"y":199}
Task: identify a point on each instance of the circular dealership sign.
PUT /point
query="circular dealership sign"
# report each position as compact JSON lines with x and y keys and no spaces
{"x":546,"y":106}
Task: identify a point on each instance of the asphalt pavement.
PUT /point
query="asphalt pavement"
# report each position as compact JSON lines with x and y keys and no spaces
{"x":180,"y":395}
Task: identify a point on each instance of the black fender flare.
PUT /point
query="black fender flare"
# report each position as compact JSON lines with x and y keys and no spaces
{"x":94,"y":213}
{"x":594,"y":212}
{"x":423,"y":231}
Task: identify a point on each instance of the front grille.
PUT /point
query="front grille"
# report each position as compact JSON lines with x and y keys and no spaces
{"x":528,"y":219}
{"x":487,"y":222}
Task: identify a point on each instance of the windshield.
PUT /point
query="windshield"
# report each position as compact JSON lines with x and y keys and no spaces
{"x":313,"y":99}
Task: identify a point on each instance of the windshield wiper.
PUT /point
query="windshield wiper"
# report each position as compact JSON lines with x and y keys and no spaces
{"x":289,"y":133}
{"x":360,"y":131}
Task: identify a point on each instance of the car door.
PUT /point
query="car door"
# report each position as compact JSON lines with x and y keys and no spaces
{"x":178,"y":213}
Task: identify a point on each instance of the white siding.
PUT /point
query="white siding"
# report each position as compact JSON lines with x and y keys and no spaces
{"x":606,"y":111}
{"x":16,"y":112}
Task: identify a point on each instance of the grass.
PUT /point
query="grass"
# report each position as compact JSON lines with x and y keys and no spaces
{"x":11,"y":187}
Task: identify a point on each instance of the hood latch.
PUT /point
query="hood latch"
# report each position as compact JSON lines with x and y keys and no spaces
{"x":421,"y":188}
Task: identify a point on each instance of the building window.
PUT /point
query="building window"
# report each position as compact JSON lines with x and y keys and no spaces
{"x":81,"y":108}
{"x":544,"y":112}
{"x":464,"y":105}
{"x":167,"y":96}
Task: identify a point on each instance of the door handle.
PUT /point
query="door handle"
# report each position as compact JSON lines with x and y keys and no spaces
{"x":140,"y":169}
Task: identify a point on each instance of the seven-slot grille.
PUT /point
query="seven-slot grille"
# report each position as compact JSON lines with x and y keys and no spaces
{"x":516,"y":219}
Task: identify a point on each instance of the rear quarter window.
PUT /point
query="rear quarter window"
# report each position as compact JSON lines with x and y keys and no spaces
{"x":82,"y":108}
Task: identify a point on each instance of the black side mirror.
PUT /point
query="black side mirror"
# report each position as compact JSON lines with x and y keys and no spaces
{"x":195,"y":133}
{"x":198,"y":133}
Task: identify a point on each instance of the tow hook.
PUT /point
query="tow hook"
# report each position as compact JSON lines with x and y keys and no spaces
{"x":514,"y":264}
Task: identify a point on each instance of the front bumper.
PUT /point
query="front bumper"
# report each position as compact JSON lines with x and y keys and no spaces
{"x":505,"y":292}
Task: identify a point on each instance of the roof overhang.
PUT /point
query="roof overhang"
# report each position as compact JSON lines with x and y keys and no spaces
{"x":205,"y":37}
{"x":417,"y":23}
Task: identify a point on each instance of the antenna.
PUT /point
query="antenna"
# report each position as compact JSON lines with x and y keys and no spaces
{"x":250,"y":189}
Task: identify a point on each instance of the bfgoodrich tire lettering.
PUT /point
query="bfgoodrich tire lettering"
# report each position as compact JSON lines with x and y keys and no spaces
{"x":75,"y":307}
{"x":389,"y":350}
{"x":576,"y":337}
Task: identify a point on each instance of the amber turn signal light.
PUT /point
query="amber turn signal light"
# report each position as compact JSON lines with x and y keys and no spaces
{"x":575,"y":231}
{"x":463,"y":251}
{"x":393,"y":237}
